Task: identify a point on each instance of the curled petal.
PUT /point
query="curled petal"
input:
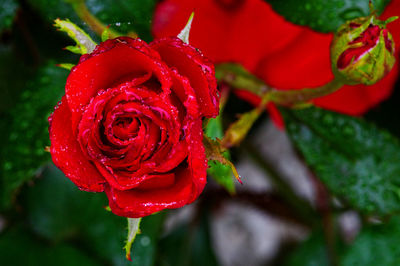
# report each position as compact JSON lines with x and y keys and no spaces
{"x":66,"y":152}
{"x":109,"y":65}
{"x":190,"y":63}
{"x":138,"y":203}
{"x":186,"y":94}
{"x":196,"y":157}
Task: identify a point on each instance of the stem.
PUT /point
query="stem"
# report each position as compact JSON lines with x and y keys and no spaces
{"x":268,"y":202}
{"x":238,"y":130}
{"x":297,"y":96}
{"x":237,"y":77}
{"x":94,"y":23}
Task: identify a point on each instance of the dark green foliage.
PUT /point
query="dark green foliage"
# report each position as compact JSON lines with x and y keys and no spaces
{"x":26,"y":134}
{"x":355,"y":160}
{"x":58,"y":211}
{"x":9,"y":8}
{"x":19,"y":247}
{"x":122,"y":15}
{"x":312,"y":252}
{"x":322,"y":15}
{"x":374,"y":245}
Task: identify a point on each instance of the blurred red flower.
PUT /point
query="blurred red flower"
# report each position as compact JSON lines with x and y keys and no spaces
{"x":286,"y":56}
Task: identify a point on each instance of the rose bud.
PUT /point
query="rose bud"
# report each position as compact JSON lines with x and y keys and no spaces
{"x":130,"y":124}
{"x":362,"y":51}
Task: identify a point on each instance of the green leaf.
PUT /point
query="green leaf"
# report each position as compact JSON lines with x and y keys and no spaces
{"x":122,"y":15}
{"x":8,"y":10}
{"x":221,"y":173}
{"x":84,"y":44}
{"x":188,"y":244}
{"x":59,"y":211}
{"x":311,"y":252}
{"x":19,"y":247}
{"x":13,"y":77}
{"x":356,"y":161}
{"x":27,"y":132}
{"x":322,"y":15}
{"x":375,"y":245}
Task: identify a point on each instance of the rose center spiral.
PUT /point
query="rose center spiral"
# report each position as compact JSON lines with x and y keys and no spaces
{"x":126,"y":127}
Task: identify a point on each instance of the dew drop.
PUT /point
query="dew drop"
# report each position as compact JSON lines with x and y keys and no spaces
{"x":328,"y":119}
{"x":145,"y":241}
{"x":7,"y":165}
{"x":349,"y":131}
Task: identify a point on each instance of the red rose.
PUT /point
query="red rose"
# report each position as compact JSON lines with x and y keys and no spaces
{"x":285,"y":55}
{"x":130,"y":124}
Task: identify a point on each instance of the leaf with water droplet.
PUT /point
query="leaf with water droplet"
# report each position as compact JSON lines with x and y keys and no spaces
{"x":375,"y":244}
{"x":57,"y":211}
{"x":27,"y":133}
{"x":322,"y":15}
{"x":357,"y":162}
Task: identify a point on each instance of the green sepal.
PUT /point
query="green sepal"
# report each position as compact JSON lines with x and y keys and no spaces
{"x":215,"y":152}
{"x":105,"y":35}
{"x":133,"y":230}
{"x":66,"y":66}
{"x":221,"y":173}
{"x":84,"y":44}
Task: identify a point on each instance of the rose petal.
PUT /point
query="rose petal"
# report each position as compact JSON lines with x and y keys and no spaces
{"x":100,"y":70}
{"x":138,"y":203}
{"x":66,"y":152}
{"x":196,"y":157}
{"x":161,"y":181}
{"x":190,"y":182}
{"x":181,"y":87}
{"x":198,"y":69}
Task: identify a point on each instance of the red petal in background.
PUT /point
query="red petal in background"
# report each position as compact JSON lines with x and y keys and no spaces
{"x":240,"y":34}
{"x":285,"y":55}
